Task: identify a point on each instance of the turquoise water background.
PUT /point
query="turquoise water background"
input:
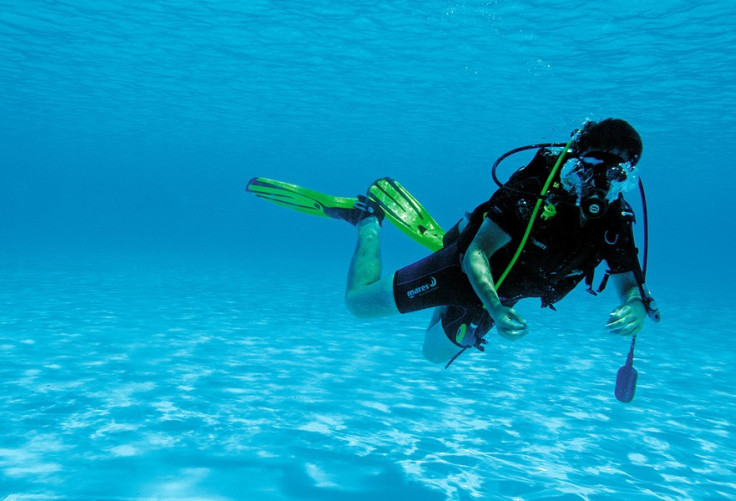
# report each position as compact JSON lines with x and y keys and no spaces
{"x":165,"y":335}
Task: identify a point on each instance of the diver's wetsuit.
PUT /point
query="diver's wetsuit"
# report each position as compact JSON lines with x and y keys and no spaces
{"x":558,"y":255}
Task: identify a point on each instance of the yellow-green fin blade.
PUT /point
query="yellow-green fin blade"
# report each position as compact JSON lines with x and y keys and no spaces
{"x":406,"y":213}
{"x":296,"y":197}
{"x":400,"y":207}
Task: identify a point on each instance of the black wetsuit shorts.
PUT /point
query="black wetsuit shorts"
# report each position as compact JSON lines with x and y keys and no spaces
{"x":436,"y":280}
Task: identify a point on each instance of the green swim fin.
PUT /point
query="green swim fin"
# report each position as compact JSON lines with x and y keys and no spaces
{"x":406,"y":213}
{"x":297,"y":198}
{"x":401,"y":208}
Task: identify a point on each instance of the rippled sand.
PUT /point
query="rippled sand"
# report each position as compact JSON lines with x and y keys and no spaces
{"x":129,"y":380}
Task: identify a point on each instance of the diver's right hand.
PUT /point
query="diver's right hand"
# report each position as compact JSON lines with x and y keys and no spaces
{"x":509,"y":324}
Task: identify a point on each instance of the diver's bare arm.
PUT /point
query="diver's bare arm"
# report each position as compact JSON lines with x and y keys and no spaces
{"x":626,"y":286}
{"x":476,"y":265}
{"x":629,"y":317}
{"x":489,"y":239}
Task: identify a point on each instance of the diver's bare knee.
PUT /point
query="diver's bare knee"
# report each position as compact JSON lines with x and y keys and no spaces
{"x":432,"y":356}
{"x":357,"y":306}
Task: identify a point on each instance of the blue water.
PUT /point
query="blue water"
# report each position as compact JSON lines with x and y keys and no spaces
{"x":166,"y":336}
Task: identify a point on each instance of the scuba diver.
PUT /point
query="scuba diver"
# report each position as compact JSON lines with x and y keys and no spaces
{"x":542,"y":233}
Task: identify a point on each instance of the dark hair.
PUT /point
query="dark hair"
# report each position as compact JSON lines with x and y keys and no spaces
{"x":611,"y":135}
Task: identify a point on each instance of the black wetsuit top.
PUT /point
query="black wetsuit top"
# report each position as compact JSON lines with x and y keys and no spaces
{"x":559,"y":254}
{"x":560,"y":251}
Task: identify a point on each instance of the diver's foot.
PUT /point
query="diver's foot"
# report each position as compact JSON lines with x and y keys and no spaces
{"x":363,"y":209}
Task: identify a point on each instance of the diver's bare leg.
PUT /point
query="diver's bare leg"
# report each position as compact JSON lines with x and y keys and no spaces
{"x":367,"y":294}
{"x":437,"y":347}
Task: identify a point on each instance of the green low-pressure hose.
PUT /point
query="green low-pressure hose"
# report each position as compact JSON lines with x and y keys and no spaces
{"x":540,"y":199}
{"x":462,"y":330}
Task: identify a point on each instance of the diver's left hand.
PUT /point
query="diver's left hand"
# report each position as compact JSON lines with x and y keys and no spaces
{"x":627,"y":319}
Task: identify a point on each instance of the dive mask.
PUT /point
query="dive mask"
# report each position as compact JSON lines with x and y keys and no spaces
{"x":596,"y":179}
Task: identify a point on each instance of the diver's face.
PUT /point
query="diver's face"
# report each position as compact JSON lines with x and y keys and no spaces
{"x":597,"y":178}
{"x":605,"y":173}
{"x":612,"y":173}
